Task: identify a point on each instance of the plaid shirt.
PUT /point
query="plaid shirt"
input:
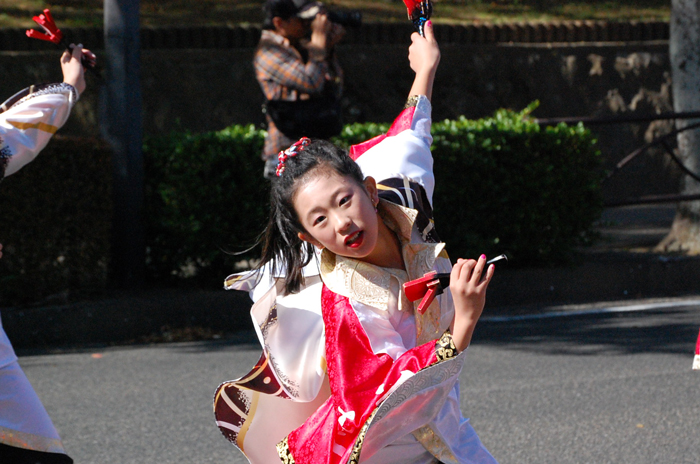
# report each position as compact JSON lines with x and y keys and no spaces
{"x":283,"y":74}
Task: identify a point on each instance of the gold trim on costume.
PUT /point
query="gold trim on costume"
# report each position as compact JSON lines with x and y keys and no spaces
{"x":427,"y":437}
{"x":229,"y":402}
{"x":445,"y":348}
{"x":370,"y":285}
{"x":42,"y":126}
{"x":412,"y":101}
{"x":357,"y":447}
{"x":248,"y":420}
{"x":284,"y":452}
{"x":30,"y":441}
{"x":256,"y":373}
{"x":230,"y":281}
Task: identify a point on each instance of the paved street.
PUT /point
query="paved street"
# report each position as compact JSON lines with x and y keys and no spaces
{"x":596,"y":387}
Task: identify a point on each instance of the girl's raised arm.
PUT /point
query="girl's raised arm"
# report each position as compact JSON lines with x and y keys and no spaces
{"x":424,"y":57}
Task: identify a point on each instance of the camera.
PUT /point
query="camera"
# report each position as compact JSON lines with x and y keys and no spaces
{"x":350,"y":18}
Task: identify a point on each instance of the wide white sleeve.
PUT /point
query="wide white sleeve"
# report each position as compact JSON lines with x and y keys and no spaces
{"x":405,"y":151}
{"x":290,"y":329}
{"x":28,"y":125}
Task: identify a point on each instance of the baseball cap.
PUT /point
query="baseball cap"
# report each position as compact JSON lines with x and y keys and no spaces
{"x":308,"y":9}
{"x":285,"y":9}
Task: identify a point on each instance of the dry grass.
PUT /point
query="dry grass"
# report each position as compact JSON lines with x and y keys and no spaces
{"x":84,"y":13}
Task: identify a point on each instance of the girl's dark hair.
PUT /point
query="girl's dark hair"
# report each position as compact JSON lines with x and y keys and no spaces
{"x":282,"y":247}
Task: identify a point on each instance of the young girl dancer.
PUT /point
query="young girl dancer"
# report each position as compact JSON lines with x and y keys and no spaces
{"x":28,"y":120}
{"x":370,"y":379}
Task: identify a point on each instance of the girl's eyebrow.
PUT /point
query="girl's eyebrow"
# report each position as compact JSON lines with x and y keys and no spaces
{"x":336,"y":193}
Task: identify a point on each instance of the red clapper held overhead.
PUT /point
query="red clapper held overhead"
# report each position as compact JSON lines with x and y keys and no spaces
{"x":432,"y":284}
{"x":53,"y":34}
{"x":419,"y":12}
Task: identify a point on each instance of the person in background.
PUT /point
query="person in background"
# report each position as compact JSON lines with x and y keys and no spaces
{"x":296,"y":67}
{"x":28,"y":120}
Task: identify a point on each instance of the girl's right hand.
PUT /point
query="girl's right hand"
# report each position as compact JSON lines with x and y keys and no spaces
{"x":72,"y":66}
{"x":424,"y":52}
{"x":468,"y":283}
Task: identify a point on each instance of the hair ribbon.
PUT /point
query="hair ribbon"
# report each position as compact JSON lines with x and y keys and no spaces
{"x":290,"y":152}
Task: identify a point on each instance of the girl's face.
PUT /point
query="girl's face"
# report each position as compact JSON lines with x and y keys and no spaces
{"x":339,"y":214}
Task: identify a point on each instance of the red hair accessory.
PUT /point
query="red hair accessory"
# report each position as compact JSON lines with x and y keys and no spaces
{"x":53,"y":33}
{"x":290,"y":152}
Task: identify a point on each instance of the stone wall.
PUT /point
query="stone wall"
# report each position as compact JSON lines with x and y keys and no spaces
{"x":482,"y":69}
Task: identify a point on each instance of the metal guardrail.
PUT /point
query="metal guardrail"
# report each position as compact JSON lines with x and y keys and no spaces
{"x":661,"y":140}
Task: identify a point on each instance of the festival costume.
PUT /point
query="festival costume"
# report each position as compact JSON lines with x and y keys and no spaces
{"x":349,"y":372}
{"x":28,"y":120}
{"x":283,"y":74}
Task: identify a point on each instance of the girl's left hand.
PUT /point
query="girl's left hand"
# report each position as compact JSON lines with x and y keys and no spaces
{"x":468,"y":283}
{"x":424,"y":52}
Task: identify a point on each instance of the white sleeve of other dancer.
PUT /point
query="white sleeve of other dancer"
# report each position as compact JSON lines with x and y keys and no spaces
{"x":404,"y":152}
{"x":28,"y":125}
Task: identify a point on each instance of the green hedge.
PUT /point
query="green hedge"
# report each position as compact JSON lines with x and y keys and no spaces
{"x":206,"y":202}
{"x":55,"y":224}
{"x":504,"y":185}
{"x":516,"y":188}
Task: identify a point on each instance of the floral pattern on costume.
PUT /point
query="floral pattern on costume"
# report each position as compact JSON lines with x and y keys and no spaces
{"x":411,"y":101}
{"x":285,"y":454}
{"x":5,"y":155}
{"x":445,"y":347}
{"x":48,"y":89}
{"x":360,"y":381}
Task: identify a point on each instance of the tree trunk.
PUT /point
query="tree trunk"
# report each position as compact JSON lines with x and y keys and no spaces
{"x":684,"y":51}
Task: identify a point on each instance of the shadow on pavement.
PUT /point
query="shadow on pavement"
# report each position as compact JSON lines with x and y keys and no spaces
{"x":662,"y":331}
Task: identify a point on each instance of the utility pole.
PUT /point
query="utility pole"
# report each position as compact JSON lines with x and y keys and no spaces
{"x":684,"y":52}
{"x":121,"y":124}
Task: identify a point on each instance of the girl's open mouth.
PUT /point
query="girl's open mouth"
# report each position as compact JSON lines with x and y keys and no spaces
{"x":355,"y":239}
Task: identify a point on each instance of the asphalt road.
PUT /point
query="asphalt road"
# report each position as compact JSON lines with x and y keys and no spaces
{"x":595,"y":387}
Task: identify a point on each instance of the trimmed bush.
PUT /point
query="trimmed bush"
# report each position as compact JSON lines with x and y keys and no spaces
{"x":206,"y":199}
{"x":55,"y":224}
{"x":504,"y":185}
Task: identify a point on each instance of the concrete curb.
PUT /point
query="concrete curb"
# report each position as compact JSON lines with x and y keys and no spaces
{"x":602,"y":276}
{"x":127,"y":317}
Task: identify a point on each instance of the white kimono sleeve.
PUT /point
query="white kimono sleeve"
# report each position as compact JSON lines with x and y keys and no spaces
{"x":27,"y":124}
{"x":290,"y":329}
{"x":404,"y":152}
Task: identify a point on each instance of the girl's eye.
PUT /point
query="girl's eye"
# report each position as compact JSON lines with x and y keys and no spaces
{"x":319,"y":220}
{"x":344,"y":200}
